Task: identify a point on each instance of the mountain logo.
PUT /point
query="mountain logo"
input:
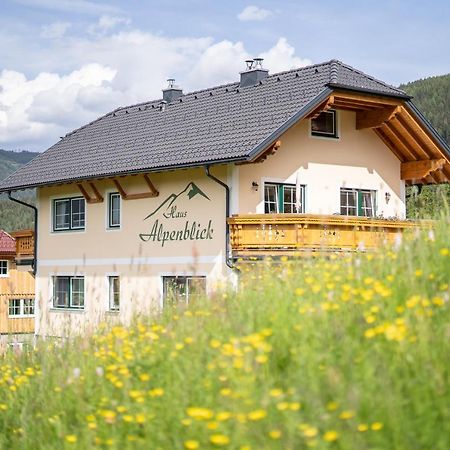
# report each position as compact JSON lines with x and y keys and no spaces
{"x":170,"y":203}
{"x":176,"y":206}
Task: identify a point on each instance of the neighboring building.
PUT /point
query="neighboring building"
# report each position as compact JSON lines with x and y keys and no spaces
{"x":133,"y":206}
{"x":17,"y":300}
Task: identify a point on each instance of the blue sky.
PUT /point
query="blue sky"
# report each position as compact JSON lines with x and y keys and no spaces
{"x":65,"y":62}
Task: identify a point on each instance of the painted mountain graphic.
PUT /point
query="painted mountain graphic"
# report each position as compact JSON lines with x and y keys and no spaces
{"x":188,"y":193}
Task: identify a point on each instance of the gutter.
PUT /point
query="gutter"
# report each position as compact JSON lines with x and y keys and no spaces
{"x":228,"y":261}
{"x":16,"y":200}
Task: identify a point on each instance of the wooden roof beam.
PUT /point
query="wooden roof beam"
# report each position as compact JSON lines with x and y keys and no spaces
{"x":153,"y":191}
{"x":374,"y":119}
{"x":324,"y":106}
{"x":400,"y":142}
{"x":390,"y":144}
{"x":96,"y":198}
{"x":417,"y":170}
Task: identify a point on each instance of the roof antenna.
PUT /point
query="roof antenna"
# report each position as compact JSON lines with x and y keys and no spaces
{"x":249,"y":63}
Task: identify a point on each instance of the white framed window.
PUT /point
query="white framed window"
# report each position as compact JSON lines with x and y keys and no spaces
{"x":68,"y":292}
{"x":325,"y":125}
{"x":4,"y":268}
{"x":282,"y":198}
{"x":114,"y":207}
{"x":69,"y":214}
{"x":182,"y":289}
{"x":21,"y":307}
{"x":358,"y":202}
{"x":114,"y":293}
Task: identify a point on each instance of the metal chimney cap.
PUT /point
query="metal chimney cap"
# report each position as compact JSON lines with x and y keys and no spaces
{"x":249,"y":63}
{"x":171,"y":83}
{"x":258,"y":62}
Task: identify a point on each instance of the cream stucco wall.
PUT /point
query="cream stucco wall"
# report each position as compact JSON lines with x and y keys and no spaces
{"x":98,"y":252}
{"x":358,"y":159}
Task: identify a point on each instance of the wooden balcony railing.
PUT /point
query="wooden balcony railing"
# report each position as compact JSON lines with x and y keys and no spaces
{"x":277,"y":234}
{"x":24,"y":243}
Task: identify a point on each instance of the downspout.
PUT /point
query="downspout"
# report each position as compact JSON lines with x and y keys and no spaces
{"x":35,"y":227}
{"x":227,"y":213}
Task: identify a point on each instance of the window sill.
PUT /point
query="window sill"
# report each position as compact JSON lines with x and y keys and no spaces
{"x":325,"y":136}
{"x":30,"y":316}
{"x":71,"y":310}
{"x":76,"y":230}
{"x":113,"y":312}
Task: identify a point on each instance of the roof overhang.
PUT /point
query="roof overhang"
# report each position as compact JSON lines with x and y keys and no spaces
{"x":424,"y":155}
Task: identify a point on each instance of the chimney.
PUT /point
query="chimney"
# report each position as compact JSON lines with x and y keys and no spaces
{"x":254,"y":72}
{"x":172,"y":92}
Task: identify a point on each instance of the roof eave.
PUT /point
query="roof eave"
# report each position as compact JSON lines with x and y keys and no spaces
{"x":344,"y":87}
{"x":125,"y":172}
{"x":427,"y":125}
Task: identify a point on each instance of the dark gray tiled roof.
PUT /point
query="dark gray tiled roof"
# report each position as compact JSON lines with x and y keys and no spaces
{"x":223,"y":123}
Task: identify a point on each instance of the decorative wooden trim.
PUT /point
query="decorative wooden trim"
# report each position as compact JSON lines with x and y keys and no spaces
{"x":374,"y":118}
{"x":97,"y":198}
{"x":323,"y":107}
{"x":153,"y":191}
{"x":416,"y":170}
{"x":270,"y":151}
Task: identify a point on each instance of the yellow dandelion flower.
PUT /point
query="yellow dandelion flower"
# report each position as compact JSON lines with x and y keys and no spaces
{"x":219,"y":439}
{"x":310,"y":432}
{"x":275,"y":434}
{"x":295,"y":406}
{"x":245,"y":447}
{"x":362,"y":427}
{"x":144,"y":377}
{"x":222,"y":416}
{"x":282,"y":406}
{"x":3,"y":407}
{"x":258,"y":414}
{"x":140,"y":418}
{"x":376,"y":426}
{"x":71,"y":438}
{"x":225,"y":392}
{"x":92,"y":425}
{"x":261,"y":359}
{"x":331,"y":436}
{"x":444,"y":251}
{"x":276,"y":392}
{"x":157,"y":392}
{"x":128,"y":418}
{"x":214,"y":343}
{"x":191,"y":445}
{"x":200,"y":413}
{"x":345,"y":415}
{"x":332,"y":406}
{"x":213,"y":425}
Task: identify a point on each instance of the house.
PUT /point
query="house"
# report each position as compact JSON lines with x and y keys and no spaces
{"x":17,"y":298}
{"x":155,"y":202}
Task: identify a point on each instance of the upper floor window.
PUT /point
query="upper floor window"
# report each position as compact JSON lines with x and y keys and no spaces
{"x":114,"y":293}
{"x":181,"y":289}
{"x":357,"y":202}
{"x":68,"y":292}
{"x":324,"y":125}
{"x":3,"y":268}
{"x":114,"y":210}
{"x":282,"y":198}
{"x":69,"y":214}
{"x":21,"y":307}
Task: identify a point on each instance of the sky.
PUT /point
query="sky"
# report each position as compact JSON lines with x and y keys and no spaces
{"x":63,"y":63}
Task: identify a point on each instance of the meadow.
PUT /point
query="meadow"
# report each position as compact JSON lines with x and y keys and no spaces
{"x":339,"y":352}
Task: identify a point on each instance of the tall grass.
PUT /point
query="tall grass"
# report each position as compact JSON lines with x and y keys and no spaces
{"x":339,"y":352}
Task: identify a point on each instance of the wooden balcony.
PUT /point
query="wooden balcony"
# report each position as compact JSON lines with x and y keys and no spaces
{"x":258,"y":235}
{"x":24,"y":249}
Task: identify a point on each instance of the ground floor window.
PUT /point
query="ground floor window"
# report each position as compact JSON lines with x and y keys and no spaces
{"x":3,"y":268}
{"x":114,"y":293}
{"x":282,"y":198}
{"x":68,"y":292}
{"x":357,"y":202}
{"x":21,"y":307}
{"x":182,"y":289}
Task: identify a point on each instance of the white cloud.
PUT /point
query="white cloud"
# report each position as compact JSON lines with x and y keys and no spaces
{"x":282,"y":57}
{"x":106,"y":23}
{"x":55,"y":30}
{"x":252,"y":12}
{"x":101,"y":72}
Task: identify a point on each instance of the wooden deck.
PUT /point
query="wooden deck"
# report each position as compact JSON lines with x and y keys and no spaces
{"x":278,"y":234}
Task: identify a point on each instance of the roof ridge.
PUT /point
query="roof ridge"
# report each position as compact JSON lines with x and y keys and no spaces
{"x":347,"y":66}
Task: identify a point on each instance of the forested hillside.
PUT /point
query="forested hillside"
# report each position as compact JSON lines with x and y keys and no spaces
{"x":432,"y":97}
{"x":14,"y":216}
